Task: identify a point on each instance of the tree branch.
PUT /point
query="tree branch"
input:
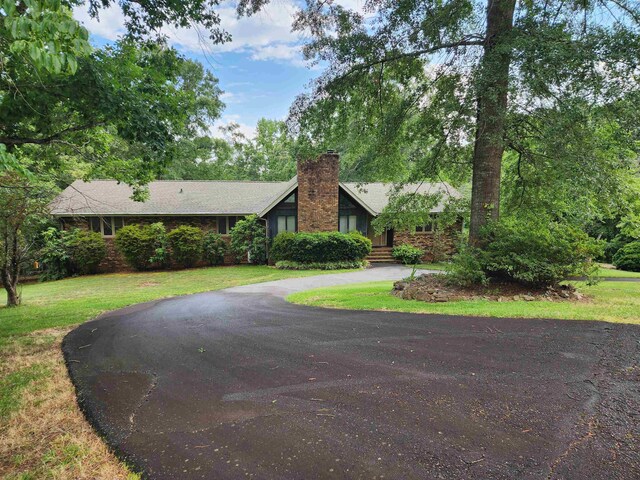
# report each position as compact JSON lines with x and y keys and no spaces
{"x":12,"y":141}
{"x":470,"y":41}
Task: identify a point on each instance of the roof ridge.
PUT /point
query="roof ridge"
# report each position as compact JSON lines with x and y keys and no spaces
{"x":176,"y":181}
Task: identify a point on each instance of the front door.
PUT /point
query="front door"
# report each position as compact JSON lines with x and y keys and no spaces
{"x":378,"y":240}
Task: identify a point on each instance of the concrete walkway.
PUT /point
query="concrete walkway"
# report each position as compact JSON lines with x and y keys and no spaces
{"x":282,"y":288}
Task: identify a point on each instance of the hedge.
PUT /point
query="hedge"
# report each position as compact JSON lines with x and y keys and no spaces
{"x":324,"y":247}
{"x":344,"y":265}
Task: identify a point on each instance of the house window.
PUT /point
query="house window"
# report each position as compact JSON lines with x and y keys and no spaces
{"x":286,"y":223}
{"x":430,"y":226}
{"x":290,"y":199}
{"x":225,"y":224}
{"x":348,"y":223}
{"x":107,"y":226}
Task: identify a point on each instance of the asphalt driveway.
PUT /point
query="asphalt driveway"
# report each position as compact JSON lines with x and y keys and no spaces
{"x":240,"y":384}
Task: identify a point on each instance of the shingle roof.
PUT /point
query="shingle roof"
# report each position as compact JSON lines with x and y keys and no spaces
{"x":179,"y":197}
{"x":376,"y":195}
{"x":214,"y":197}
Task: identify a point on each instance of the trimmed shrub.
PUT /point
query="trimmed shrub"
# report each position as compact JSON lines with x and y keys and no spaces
{"x":344,"y":265}
{"x":86,"y":251}
{"x":320,"y":247}
{"x":213,"y":249}
{"x":144,"y":247}
{"x":186,"y":245}
{"x":70,"y":252}
{"x":527,"y":253}
{"x":628,"y":257}
{"x":407,"y":254}
{"x":249,"y":237}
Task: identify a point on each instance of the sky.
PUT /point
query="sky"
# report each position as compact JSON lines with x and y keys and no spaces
{"x":261,"y":70}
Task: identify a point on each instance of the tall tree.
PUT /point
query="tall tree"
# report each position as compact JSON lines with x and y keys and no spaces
{"x":478,"y":67}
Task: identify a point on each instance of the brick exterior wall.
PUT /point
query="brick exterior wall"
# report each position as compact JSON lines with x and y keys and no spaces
{"x":115,"y":262}
{"x":434,"y":244}
{"x":318,"y":186}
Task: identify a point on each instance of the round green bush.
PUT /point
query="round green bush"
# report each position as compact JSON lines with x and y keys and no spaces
{"x":186,"y":245}
{"x":144,"y":247}
{"x":628,"y":257}
{"x":86,"y":250}
{"x":320,"y":247}
{"x":213,"y":248}
{"x":407,"y":254}
{"x":537,"y":254}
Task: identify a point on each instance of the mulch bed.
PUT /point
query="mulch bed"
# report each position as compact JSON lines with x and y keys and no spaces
{"x":434,"y":288}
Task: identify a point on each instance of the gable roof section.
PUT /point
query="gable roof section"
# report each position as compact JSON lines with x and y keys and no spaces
{"x":214,"y":197}
{"x":374,"y":196}
{"x":179,"y":197}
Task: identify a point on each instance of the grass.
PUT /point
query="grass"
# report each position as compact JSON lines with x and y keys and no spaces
{"x":42,"y":432}
{"x":609,"y":301}
{"x":433,"y":266}
{"x":606,"y":271}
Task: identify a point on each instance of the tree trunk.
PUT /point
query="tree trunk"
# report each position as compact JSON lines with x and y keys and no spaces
{"x":13,"y":298}
{"x":493,"y":85}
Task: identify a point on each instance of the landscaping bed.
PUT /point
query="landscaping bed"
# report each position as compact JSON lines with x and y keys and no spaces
{"x":435,"y":289}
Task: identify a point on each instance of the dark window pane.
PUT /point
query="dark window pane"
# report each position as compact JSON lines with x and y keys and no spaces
{"x":106,"y":225}
{"x":94,"y":223}
{"x":222,"y":225}
{"x":232,"y":222}
{"x":419,"y":228}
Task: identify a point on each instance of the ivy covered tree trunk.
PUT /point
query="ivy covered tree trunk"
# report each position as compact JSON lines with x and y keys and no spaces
{"x":493,"y":85}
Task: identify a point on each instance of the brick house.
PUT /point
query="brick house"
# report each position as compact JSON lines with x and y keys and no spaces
{"x":312,"y":201}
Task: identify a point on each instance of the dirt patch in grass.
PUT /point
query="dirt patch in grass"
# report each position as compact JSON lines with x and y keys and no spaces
{"x":435,"y":289}
{"x":42,"y":431}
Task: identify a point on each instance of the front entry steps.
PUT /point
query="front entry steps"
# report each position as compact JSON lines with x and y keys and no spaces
{"x":381,"y":255}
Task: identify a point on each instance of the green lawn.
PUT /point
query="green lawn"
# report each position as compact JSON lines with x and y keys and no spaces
{"x":610,"y":301}
{"x":605,"y":272}
{"x":75,"y":300}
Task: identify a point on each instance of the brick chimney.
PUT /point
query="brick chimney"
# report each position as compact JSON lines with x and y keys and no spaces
{"x":318,"y":193}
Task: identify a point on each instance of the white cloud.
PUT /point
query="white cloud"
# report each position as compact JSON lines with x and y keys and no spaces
{"x":265,"y":35}
{"x":248,"y":131}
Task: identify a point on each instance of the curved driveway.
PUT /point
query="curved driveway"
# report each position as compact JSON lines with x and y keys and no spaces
{"x":240,"y":384}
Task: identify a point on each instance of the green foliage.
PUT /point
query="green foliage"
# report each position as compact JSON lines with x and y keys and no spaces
{"x":538,"y":254}
{"x":54,"y":255}
{"x":97,"y":122}
{"x":213,"y":248}
{"x":85,"y":250}
{"x":532,"y":253}
{"x":466,"y":268}
{"x":407,"y":254}
{"x":249,"y":237}
{"x":320,"y":247}
{"x":398,"y":96}
{"x":341,"y":265}
{"x":614,"y":245}
{"x":186,"y":244}
{"x":628,"y":257}
{"x":144,"y":247}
